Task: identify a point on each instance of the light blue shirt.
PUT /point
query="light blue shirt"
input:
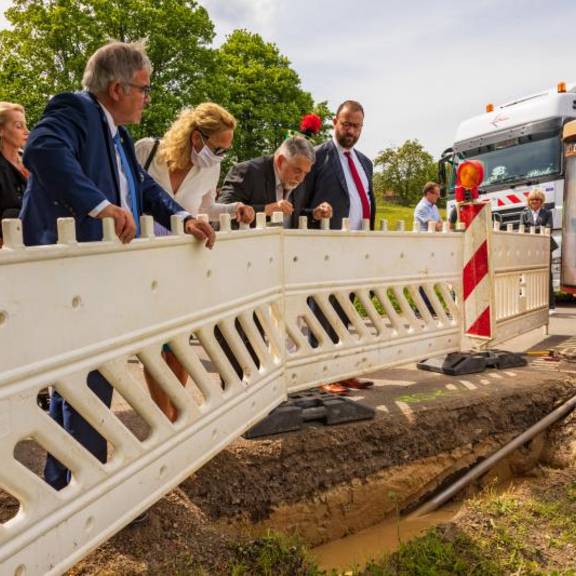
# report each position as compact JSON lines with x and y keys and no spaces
{"x":424,"y":212}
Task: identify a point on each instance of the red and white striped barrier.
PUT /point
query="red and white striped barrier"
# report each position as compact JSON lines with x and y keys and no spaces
{"x":513,"y":199}
{"x":477,"y":273}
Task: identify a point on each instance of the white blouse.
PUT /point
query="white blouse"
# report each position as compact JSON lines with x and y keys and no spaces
{"x":197,"y":192}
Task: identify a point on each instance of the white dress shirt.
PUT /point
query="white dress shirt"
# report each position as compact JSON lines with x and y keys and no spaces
{"x":356,"y":212}
{"x":124,"y":191}
{"x":282,"y":194}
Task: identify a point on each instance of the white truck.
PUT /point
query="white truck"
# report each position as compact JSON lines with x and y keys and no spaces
{"x":520,"y":145}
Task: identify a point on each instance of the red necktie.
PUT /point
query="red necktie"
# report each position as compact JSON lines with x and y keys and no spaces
{"x":359,"y":186}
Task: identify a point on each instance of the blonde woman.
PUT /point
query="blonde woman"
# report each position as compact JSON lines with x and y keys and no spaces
{"x":186,"y":161}
{"x":13,"y":175}
{"x":536,"y":215}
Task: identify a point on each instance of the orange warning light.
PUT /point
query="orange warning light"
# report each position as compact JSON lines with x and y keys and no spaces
{"x":470,"y":174}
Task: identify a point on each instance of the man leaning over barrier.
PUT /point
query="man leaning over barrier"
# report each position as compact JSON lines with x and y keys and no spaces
{"x":274,"y":183}
{"x":82,"y":165}
{"x":271,"y":184}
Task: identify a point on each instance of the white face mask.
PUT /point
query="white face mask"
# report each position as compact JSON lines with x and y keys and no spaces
{"x":205,"y":158}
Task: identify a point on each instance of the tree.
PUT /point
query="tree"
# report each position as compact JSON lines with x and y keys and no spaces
{"x":262,"y":91}
{"x":47,"y":48}
{"x":404,"y":170}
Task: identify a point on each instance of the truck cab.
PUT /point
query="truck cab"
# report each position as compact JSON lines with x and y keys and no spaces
{"x":520,"y":145}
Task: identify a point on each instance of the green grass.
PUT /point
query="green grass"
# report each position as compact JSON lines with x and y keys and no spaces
{"x":394,"y":212}
{"x":274,"y":555}
{"x":435,"y":555}
{"x":421,"y":396}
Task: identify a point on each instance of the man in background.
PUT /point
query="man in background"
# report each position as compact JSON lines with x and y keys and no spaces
{"x":426,"y":210}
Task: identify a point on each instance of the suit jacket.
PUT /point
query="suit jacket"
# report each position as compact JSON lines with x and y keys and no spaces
{"x":72,"y":164}
{"x":254,"y":183}
{"x":544,"y":218}
{"x":326,"y":183}
{"x":12,"y":185}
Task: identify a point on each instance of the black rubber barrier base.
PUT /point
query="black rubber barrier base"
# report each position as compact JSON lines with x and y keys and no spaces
{"x":310,"y":406}
{"x":459,"y":363}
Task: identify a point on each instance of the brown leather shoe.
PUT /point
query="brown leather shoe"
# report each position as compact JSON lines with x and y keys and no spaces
{"x":335,"y":388}
{"x":356,"y":384}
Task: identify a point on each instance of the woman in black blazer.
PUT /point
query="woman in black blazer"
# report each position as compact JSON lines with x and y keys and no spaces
{"x":13,"y":175}
{"x":536,"y":215}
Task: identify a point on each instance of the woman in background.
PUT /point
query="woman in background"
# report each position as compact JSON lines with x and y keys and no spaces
{"x":13,"y":175}
{"x":536,"y":215}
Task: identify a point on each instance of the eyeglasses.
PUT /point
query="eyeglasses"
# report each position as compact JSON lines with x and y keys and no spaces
{"x":354,"y":125}
{"x":145,"y":90}
{"x":217,"y":151}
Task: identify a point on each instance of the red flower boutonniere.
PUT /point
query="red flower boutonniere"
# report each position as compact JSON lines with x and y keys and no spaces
{"x":310,"y":124}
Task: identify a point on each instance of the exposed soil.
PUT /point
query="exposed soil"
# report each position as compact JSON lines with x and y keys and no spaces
{"x":328,"y":475}
{"x":251,"y":479}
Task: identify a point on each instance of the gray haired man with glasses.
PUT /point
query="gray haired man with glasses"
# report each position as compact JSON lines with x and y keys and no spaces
{"x":82,"y":165}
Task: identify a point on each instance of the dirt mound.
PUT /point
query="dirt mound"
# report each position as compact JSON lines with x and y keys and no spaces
{"x":176,"y":538}
{"x":251,"y":478}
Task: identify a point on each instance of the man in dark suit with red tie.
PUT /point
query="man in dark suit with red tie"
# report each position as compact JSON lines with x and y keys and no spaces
{"x":342,"y":177}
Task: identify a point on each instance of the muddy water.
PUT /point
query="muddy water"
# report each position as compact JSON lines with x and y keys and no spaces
{"x":358,"y":549}
{"x":385,"y":537}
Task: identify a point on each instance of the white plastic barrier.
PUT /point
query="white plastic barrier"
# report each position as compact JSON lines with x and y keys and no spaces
{"x":387,"y":275}
{"x":521,"y":263}
{"x":68,"y":309}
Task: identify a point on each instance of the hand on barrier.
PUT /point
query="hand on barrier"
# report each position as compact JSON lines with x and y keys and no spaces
{"x":323,"y":210}
{"x":281,"y":206}
{"x":123,"y":222}
{"x":244,"y":213}
{"x":201,"y":231}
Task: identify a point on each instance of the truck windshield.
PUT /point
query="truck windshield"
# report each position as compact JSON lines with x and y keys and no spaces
{"x":517,"y":161}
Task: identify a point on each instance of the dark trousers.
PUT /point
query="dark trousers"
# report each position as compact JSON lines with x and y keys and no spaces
{"x":426,"y":301}
{"x":228,"y":351}
{"x":55,"y":473}
{"x":324,"y":321}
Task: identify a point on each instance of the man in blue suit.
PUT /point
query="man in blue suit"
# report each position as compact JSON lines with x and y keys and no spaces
{"x":82,"y":165}
{"x":342,"y":177}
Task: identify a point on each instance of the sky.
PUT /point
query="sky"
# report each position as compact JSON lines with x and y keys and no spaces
{"x":419,"y":67}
